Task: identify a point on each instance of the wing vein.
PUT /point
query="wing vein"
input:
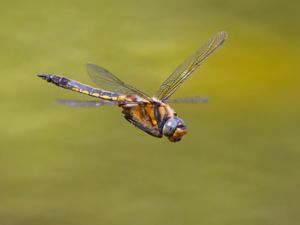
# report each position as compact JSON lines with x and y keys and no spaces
{"x":184,"y":70}
{"x":109,"y":82}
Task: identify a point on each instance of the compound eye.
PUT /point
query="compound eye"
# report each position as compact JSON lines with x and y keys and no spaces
{"x":170,"y":127}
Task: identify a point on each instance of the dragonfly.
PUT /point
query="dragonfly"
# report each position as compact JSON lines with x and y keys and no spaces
{"x":152,"y":115}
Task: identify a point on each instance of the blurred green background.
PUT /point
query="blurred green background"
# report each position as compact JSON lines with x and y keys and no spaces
{"x":239,"y":163}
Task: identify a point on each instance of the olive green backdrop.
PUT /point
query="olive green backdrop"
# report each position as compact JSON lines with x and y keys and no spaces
{"x":239,"y":163}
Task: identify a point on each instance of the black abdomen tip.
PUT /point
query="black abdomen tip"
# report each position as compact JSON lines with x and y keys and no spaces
{"x":46,"y":77}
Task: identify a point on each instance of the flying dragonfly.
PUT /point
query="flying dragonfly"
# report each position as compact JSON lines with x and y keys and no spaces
{"x":153,"y":115}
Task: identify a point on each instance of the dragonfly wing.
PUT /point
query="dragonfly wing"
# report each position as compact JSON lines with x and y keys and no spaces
{"x":109,"y":82}
{"x":183,"y":71}
{"x":195,"y":100}
{"x":83,"y":103}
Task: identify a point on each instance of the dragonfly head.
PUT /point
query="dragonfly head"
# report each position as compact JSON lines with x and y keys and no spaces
{"x":174,"y":129}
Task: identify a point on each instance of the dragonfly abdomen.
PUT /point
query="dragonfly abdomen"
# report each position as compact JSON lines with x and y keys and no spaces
{"x":79,"y":87}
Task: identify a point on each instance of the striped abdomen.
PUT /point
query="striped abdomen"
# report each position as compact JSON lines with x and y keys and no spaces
{"x":82,"y":88}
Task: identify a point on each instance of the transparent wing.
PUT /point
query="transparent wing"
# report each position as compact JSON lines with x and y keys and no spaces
{"x":109,"y":82}
{"x":189,"y":100}
{"x":183,"y":71}
{"x":83,"y":103}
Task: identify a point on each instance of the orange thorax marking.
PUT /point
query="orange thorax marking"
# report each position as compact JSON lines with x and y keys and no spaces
{"x":150,"y":111}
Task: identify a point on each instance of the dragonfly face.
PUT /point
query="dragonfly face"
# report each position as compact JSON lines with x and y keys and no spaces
{"x":150,"y":114}
{"x":174,"y":129}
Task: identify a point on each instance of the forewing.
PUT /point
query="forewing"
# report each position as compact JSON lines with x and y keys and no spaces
{"x":183,"y":71}
{"x":194,"y":100}
{"x":84,"y":103}
{"x":109,"y":82}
